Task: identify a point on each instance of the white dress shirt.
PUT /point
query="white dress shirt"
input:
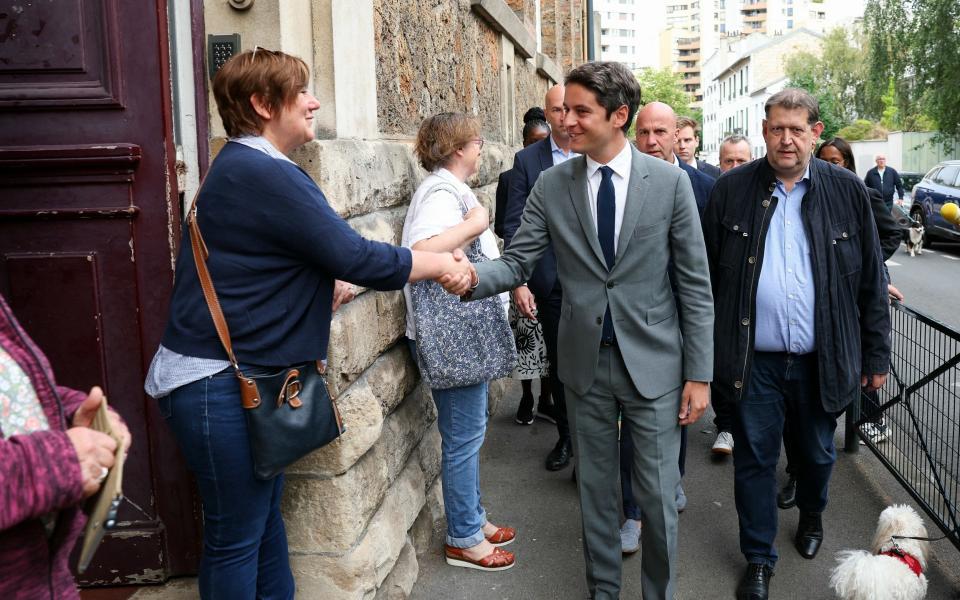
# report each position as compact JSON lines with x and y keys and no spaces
{"x":621,"y":165}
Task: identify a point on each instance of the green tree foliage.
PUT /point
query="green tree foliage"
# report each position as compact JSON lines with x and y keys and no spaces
{"x":836,"y":78}
{"x":663,"y":85}
{"x":935,"y":53}
{"x":885,"y":25}
{"x":890,"y":117}
{"x":916,"y":44}
{"x":862,"y":129}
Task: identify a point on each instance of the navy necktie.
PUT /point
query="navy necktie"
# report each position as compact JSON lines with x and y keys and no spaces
{"x":606,"y":217}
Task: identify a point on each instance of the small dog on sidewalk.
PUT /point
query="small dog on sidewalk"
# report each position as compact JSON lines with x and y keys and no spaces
{"x":915,"y":239}
{"x":894,"y":569}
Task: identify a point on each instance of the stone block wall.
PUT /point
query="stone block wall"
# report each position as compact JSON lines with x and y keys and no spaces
{"x":360,"y":511}
{"x":462,"y":72}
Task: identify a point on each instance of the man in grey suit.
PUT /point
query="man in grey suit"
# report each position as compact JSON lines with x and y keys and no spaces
{"x":616,"y":217}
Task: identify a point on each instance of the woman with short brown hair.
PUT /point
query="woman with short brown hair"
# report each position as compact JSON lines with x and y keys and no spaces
{"x":444,"y":215}
{"x":276,"y":252}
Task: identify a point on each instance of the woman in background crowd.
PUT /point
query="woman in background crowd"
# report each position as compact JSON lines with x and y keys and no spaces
{"x":532,"y":360}
{"x":448,"y":146}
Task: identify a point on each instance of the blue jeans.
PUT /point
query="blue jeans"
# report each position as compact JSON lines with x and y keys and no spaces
{"x":462,"y":421}
{"x":782,"y":388}
{"x":244,"y":540}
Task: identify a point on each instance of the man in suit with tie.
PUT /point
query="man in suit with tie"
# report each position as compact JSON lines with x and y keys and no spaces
{"x":885,"y":180}
{"x":541,"y":296}
{"x":616,"y":218}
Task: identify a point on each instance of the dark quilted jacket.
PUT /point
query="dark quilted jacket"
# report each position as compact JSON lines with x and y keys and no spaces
{"x":39,"y":473}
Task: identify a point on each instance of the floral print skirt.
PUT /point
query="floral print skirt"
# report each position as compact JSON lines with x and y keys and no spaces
{"x":532,"y":360}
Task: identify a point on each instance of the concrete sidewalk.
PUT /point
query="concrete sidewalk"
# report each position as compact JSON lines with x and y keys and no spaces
{"x":544,"y":508}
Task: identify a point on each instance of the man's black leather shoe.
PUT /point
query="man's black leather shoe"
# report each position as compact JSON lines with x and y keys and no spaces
{"x":809,"y":534}
{"x":755,"y":584}
{"x":787,"y":498}
{"x":559,"y":457}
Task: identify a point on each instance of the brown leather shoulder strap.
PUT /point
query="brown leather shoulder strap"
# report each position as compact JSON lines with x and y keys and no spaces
{"x":200,"y":254}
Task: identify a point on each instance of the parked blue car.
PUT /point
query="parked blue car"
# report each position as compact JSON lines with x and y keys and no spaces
{"x":939,"y":186}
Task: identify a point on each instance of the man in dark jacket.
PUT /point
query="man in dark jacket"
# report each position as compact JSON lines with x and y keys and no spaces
{"x":885,"y":180}
{"x":543,"y":293}
{"x":802,"y":316}
{"x":688,"y":140}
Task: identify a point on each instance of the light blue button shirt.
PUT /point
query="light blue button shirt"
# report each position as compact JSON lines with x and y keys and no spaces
{"x":558,"y":155}
{"x":785,"y":292}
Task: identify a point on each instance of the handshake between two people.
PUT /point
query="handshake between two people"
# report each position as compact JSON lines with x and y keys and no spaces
{"x":461,"y":276}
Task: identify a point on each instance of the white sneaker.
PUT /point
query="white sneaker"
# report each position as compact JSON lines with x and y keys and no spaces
{"x":724,"y":443}
{"x":630,"y":536}
{"x":875,"y":432}
{"x":681,"y":499}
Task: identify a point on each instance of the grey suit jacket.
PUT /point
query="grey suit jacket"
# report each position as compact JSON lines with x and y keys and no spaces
{"x":660,"y":221}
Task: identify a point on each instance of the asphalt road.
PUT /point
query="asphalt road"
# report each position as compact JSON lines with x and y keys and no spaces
{"x":931,"y":282}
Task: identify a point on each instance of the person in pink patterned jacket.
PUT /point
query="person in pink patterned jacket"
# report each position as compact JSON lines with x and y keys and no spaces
{"x":50,"y":461}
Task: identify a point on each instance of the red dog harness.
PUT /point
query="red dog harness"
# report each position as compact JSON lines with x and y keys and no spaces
{"x":906,"y":559}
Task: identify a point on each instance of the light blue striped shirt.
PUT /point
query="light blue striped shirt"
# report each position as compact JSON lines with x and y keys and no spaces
{"x":558,"y":155}
{"x":785,"y":292}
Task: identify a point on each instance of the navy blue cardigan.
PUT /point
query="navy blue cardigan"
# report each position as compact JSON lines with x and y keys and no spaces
{"x":276,"y":248}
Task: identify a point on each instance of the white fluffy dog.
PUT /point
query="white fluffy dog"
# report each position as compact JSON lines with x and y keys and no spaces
{"x":915,"y":239}
{"x":894,"y":569}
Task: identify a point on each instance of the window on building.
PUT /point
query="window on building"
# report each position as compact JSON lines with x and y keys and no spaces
{"x":723,"y":28}
{"x":623,"y":49}
{"x":789,"y":23}
{"x":790,"y":11}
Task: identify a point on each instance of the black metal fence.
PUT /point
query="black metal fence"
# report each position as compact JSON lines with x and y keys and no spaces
{"x":920,"y":408}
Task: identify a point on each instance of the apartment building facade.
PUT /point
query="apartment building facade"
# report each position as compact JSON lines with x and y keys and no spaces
{"x":739,"y":78}
{"x":620,"y":24}
{"x":696,"y":28}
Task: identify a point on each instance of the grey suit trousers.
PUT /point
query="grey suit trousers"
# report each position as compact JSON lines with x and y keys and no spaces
{"x":656,"y":438}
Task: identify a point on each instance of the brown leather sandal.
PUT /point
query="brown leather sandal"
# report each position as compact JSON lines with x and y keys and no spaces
{"x":502,"y":536}
{"x":498,"y":560}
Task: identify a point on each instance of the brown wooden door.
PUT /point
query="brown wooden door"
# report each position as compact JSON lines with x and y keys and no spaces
{"x":88,"y":217}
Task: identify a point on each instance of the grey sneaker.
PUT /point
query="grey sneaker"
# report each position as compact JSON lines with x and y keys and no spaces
{"x":681,"y":498}
{"x":724,"y":443}
{"x":630,"y":536}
